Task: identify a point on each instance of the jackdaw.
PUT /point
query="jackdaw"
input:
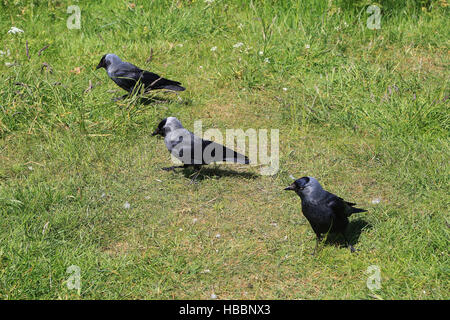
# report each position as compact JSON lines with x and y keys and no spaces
{"x":192,"y":150}
{"x":129,"y":77}
{"x":325,"y":211}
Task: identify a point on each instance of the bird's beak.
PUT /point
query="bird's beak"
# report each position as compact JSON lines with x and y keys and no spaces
{"x":291,"y":187}
{"x":155,"y":132}
{"x":98,"y":66}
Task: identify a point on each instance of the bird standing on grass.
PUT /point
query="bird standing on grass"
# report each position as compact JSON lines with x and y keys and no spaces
{"x":130,"y":78}
{"x":193,"y":150}
{"x":325,"y":211}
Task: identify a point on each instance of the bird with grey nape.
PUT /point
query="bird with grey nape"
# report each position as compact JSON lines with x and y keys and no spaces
{"x":192,"y":150}
{"x":130,"y":78}
{"x":326,"y":212}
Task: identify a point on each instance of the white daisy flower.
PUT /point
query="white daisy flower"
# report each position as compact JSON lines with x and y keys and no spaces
{"x":15,"y":30}
{"x":237,"y":45}
{"x":213,"y":48}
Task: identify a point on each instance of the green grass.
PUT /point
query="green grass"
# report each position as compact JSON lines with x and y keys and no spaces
{"x":365,"y":112}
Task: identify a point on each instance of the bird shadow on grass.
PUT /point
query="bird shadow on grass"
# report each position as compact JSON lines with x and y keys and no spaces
{"x":353,"y":233}
{"x":213,"y":172}
{"x":149,"y":100}
{"x":158,"y":100}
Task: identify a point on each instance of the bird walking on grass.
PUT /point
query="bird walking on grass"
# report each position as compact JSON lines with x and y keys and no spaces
{"x":131,"y":78}
{"x":192,"y":150}
{"x":326,"y":212}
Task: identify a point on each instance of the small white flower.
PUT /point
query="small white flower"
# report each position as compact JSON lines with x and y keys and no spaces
{"x":126,"y":205}
{"x":376,"y":201}
{"x":266,"y":60}
{"x":213,"y":296}
{"x":194,"y":220}
{"x":45,"y":227}
{"x":284,"y":89}
{"x":179,"y":45}
{"x":201,"y":67}
{"x":181,"y":229}
{"x":292,"y":177}
{"x":9,"y":64}
{"x":15,"y":30}
{"x":274,"y":224}
{"x":30,"y":168}
{"x":307,"y":46}
{"x":103,"y":195}
{"x":214,"y":48}
{"x":3,"y":53}
{"x":206,"y":271}
{"x":237,"y":45}
{"x":209,"y":1}
{"x":261,"y":53}
{"x":345,"y":24}
{"x":218,"y":235}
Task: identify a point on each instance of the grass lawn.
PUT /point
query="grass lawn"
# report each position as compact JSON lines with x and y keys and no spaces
{"x":364,"y":111}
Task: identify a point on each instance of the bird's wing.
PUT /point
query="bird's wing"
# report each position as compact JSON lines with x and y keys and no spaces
{"x":185,"y":146}
{"x":153,"y":81}
{"x":126,"y":75}
{"x":215,"y":152}
{"x":341,"y":207}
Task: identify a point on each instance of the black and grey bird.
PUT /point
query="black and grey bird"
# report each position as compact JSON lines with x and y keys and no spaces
{"x":192,"y":150}
{"x":129,"y":77}
{"x":326,"y":212}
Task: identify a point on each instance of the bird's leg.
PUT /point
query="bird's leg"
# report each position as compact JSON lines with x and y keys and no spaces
{"x":348,"y":244}
{"x":122,"y":97}
{"x":318,"y":238}
{"x":199,"y":168}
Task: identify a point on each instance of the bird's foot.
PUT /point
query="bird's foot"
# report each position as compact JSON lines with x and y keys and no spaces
{"x":120,"y":98}
{"x":193,"y":180}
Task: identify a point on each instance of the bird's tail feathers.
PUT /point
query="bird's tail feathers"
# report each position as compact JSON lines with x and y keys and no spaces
{"x":356,"y":210}
{"x":163,"y":83}
{"x":233,"y":156}
{"x":241,"y":159}
{"x":174,"y":87}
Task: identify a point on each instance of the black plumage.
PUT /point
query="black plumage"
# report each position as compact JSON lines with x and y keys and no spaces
{"x":326,"y":212}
